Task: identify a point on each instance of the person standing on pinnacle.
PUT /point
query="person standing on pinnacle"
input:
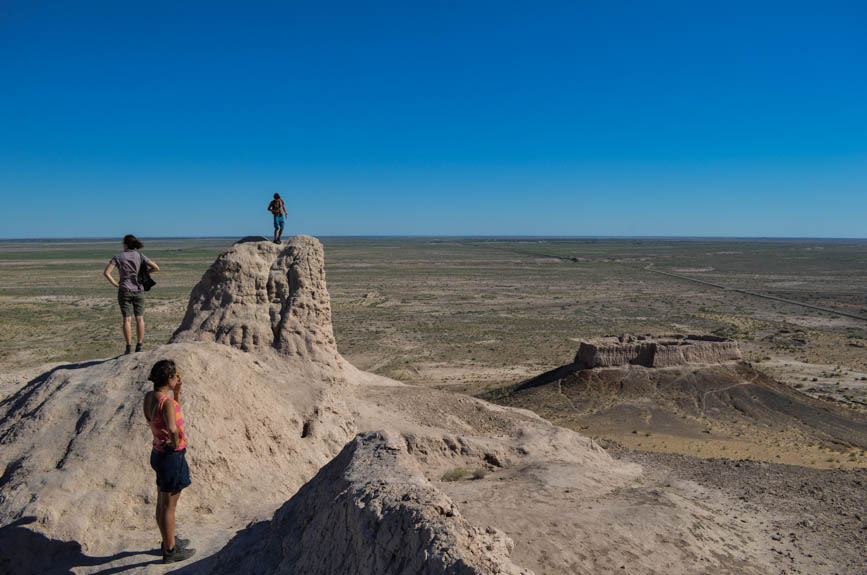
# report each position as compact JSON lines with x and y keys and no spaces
{"x":278,"y":209}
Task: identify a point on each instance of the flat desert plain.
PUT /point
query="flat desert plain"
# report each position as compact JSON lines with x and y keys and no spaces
{"x":483,"y":312}
{"x":475,"y":315}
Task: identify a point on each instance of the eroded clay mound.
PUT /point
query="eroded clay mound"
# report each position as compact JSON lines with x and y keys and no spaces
{"x":370,"y":510}
{"x":682,"y":402}
{"x":259,"y":295}
{"x":656,"y":351}
{"x":75,"y":444}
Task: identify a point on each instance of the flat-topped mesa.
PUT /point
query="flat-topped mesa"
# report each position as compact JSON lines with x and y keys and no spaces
{"x":259,"y":295}
{"x":656,"y":351}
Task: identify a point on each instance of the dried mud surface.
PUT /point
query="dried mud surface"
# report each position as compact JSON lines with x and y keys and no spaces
{"x":815,"y":519}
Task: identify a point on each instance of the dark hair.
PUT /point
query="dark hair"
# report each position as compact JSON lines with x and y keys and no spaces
{"x":276,"y":196}
{"x":132,"y":242}
{"x":161,"y":372}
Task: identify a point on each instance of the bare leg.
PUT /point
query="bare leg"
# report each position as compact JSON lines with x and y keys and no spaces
{"x":127,"y":333}
{"x":171,"y":503}
{"x":280,"y":234}
{"x":139,"y":329}
{"x":160,"y":514}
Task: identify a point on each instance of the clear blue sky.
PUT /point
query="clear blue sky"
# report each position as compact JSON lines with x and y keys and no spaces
{"x":470,"y":118}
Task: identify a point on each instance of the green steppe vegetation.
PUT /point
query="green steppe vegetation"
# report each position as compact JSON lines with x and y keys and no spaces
{"x":470,"y":313}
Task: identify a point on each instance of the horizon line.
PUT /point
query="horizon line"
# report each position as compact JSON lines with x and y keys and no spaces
{"x":452,"y":236}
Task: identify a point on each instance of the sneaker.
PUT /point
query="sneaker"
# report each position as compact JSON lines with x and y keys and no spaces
{"x":128,"y":350}
{"x":137,"y":347}
{"x":177,"y":554}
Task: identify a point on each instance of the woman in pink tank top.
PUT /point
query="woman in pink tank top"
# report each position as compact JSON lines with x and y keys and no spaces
{"x":168,"y":454}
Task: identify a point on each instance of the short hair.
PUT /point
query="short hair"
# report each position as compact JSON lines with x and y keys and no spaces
{"x":132,"y":242}
{"x":276,"y":196}
{"x":161,"y":372}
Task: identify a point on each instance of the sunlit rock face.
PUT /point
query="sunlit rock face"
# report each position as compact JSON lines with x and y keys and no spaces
{"x":260,"y":295}
{"x":656,"y":351}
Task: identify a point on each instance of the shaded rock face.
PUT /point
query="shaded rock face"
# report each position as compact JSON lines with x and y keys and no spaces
{"x":259,"y":295}
{"x":659,"y":351}
{"x":379,"y":514}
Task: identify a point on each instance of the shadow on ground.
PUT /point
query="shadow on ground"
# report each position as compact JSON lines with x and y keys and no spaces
{"x":20,"y":398}
{"x":25,"y":552}
{"x":244,"y":542}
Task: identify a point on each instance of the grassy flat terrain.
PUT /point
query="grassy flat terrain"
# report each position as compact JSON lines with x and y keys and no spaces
{"x":57,"y":307}
{"x":477,"y":313}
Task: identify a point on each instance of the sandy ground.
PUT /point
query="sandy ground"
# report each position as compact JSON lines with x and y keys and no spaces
{"x":11,"y":380}
{"x":463,"y":375}
{"x":809,"y":520}
{"x":827,"y":381}
{"x":787,"y":448}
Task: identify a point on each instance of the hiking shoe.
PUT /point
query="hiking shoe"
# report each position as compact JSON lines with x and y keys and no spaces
{"x":138,"y":347}
{"x":128,"y":350}
{"x":180,"y":543}
{"x":177,"y":554}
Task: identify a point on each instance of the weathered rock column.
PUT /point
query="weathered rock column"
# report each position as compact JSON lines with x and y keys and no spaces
{"x":260,"y":295}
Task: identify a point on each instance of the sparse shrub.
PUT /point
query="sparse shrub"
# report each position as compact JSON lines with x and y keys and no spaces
{"x":479,"y":473}
{"x":455,"y":474}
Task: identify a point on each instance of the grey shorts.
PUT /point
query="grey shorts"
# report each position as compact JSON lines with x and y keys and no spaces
{"x":130,"y":302}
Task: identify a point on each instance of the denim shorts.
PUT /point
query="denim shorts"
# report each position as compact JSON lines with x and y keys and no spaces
{"x":278,"y":222}
{"x":173,"y":473}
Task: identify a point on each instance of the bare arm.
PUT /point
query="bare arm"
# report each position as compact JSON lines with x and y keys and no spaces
{"x":171,"y":424}
{"x":147,"y":405}
{"x":283,"y":209}
{"x":107,"y":273}
{"x":153,"y":265}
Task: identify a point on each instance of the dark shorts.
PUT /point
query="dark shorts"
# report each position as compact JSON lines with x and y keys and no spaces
{"x":278,"y":222}
{"x":130,"y":302}
{"x":173,"y":473}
